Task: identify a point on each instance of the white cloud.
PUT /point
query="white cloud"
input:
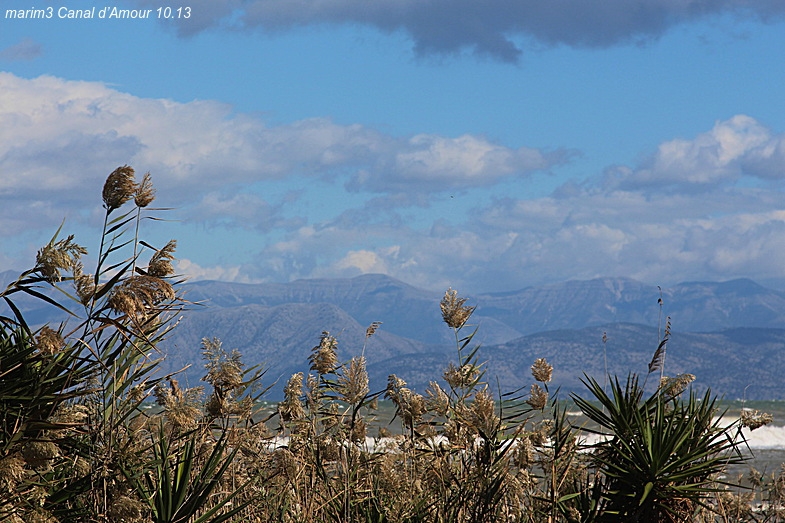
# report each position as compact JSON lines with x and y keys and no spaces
{"x":437,"y":163}
{"x":59,"y":139}
{"x":707,"y":207}
{"x":364,"y":262}
{"x":194,"y":272}
{"x":726,"y":230}
{"x":734,"y":148}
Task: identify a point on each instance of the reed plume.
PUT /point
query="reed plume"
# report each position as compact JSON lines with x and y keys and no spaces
{"x":411,"y":406}
{"x":538,"y":398}
{"x":323,"y":357}
{"x":120,"y":186}
{"x":57,"y":256}
{"x":752,"y":419}
{"x":144,"y":193}
{"x":542,"y":370}
{"x":482,"y":414}
{"x":160,"y":264}
{"x":49,"y":342}
{"x":353,"y":384}
{"x":454,"y":312}
{"x":438,"y":401}
{"x":291,"y":408}
{"x":672,"y":387}
{"x":139,"y":294}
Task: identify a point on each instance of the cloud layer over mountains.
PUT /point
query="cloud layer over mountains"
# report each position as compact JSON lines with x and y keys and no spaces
{"x":707,"y":206}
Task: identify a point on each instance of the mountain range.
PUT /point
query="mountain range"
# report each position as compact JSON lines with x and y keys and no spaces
{"x":731,"y":335}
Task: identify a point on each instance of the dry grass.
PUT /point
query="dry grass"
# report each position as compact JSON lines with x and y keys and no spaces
{"x":87,"y":449}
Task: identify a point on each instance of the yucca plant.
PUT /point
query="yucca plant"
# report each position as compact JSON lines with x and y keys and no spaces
{"x":178,"y":488}
{"x":120,"y":312}
{"x":38,"y":378}
{"x":658,"y":457}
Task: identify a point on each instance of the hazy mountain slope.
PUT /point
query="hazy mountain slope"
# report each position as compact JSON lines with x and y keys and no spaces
{"x":743,"y":362}
{"x":403,"y":309}
{"x":696,"y":307}
{"x":728,"y":334}
{"x":411,"y":312}
{"x":279,"y":337}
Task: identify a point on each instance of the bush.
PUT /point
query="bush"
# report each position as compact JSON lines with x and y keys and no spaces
{"x":78,"y":443}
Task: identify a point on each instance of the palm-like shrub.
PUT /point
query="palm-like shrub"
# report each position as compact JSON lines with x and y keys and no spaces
{"x":176,"y":488}
{"x":658,"y":457}
{"x":77,"y":442}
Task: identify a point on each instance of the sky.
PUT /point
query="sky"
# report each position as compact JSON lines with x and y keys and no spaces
{"x":484,"y":146}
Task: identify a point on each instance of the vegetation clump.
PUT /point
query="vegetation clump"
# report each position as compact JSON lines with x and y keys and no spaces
{"x":92,"y":431}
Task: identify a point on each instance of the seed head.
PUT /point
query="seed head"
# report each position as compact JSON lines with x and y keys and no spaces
{"x":224,"y":369}
{"x":181,"y":406}
{"x":12,"y":471}
{"x":138,"y":294}
{"x":461,"y":377}
{"x":541,"y":370}
{"x":538,"y":398}
{"x":482,"y":415}
{"x":160,"y":265}
{"x":145,"y":193}
{"x":84,"y":284}
{"x":38,"y":454}
{"x":323,"y":357}
{"x":411,"y":406}
{"x":454,"y":312}
{"x":371,"y":330}
{"x":119,"y":187}
{"x":312,"y":392}
{"x":71,"y":414}
{"x":290,"y":409}
{"x":359,"y":430}
{"x":525,"y":452}
{"x":49,"y":342}
{"x":672,"y":387}
{"x":137,"y":393}
{"x":437,"y":401}
{"x":353,"y":385}
{"x":124,"y":509}
{"x":753,"y":419}
{"x":57,"y":256}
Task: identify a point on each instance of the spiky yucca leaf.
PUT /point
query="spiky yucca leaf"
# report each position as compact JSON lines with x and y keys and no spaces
{"x":177,"y":490}
{"x":660,"y":454}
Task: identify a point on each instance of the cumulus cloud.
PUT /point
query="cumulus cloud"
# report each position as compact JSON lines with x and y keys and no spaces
{"x":244,"y":211}
{"x":730,"y":228}
{"x":26,"y":49}
{"x":516,"y":243}
{"x":735,"y":148}
{"x":492,"y":27}
{"x":63,"y":137}
{"x":194,"y":272}
{"x":701,"y":207}
{"x":440,"y":163}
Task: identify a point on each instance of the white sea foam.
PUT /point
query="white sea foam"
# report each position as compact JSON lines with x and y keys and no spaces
{"x":768,"y":437}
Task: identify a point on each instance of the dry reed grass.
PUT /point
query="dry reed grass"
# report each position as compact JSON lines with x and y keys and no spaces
{"x":89,"y":450}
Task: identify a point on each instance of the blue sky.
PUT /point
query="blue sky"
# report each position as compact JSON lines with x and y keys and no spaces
{"x":486,"y":146}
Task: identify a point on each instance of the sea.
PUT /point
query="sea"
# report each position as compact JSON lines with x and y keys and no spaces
{"x":765,"y":446}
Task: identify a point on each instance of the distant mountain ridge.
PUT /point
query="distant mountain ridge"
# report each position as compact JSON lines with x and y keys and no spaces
{"x":564,"y":322}
{"x":703,"y":306}
{"x":730,"y":334}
